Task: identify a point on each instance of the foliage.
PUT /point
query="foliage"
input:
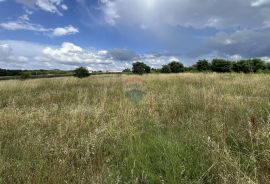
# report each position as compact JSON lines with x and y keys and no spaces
{"x":176,"y":67}
{"x":203,"y":65}
{"x":166,"y":69}
{"x":221,"y":65}
{"x":140,"y":68}
{"x":81,"y":72}
{"x":127,"y":70}
{"x":26,"y":75}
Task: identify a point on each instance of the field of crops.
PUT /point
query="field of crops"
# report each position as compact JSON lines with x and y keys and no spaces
{"x":178,"y":128}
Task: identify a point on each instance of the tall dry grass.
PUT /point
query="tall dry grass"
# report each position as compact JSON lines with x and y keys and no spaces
{"x":186,"y":128}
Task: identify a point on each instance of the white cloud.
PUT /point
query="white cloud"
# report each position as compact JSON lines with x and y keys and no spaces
{"x":257,"y":3}
{"x":51,"y":6}
{"x":61,"y":31}
{"x":28,"y":55}
{"x":23,"y":23}
{"x":64,"y":7}
{"x":7,"y":55}
{"x":70,"y":53}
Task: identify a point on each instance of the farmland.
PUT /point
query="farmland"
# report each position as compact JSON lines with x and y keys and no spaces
{"x":156,"y":128}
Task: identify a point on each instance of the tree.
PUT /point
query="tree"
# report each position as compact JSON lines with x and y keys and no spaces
{"x":140,"y":68}
{"x":203,"y":65}
{"x":176,"y":67}
{"x":166,"y":69}
{"x":81,"y":72}
{"x":127,"y":70}
{"x":268,"y":66}
{"x":26,"y":75}
{"x":147,"y":69}
{"x":258,"y":65}
{"x":249,"y":66}
{"x":221,"y":65}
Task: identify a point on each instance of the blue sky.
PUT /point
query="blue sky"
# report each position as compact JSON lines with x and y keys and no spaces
{"x":112,"y":34}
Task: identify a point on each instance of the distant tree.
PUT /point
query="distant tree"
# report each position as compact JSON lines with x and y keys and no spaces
{"x":176,"y":67}
{"x":203,"y":65}
{"x":81,"y":72}
{"x":245,"y":66}
{"x":26,"y":75}
{"x":258,"y":65}
{"x":268,"y":66}
{"x":166,"y":69}
{"x":192,"y":68}
{"x":147,"y":69}
{"x":140,"y":68}
{"x":221,"y":65}
{"x":127,"y":70}
{"x":249,"y":66}
{"x":155,"y":70}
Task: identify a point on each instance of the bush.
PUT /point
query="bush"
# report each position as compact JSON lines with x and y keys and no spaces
{"x":166,"y":69}
{"x":140,"y":68}
{"x":221,"y":65}
{"x":249,"y":66}
{"x":203,"y":65}
{"x":26,"y":75}
{"x":81,"y":72}
{"x":127,"y":70}
{"x":176,"y":67}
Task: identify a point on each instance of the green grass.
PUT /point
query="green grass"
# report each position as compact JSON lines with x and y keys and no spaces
{"x":179,"y":128}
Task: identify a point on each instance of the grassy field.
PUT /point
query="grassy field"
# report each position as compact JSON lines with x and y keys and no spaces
{"x":182,"y":128}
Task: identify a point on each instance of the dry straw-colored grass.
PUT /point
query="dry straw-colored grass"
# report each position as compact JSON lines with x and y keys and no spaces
{"x":187,"y":128}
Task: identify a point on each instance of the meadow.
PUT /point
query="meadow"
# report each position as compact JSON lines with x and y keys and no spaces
{"x":157,"y":128}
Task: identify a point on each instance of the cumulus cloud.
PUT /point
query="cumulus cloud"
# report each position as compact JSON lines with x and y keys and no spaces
{"x":7,"y":55}
{"x":70,"y":53}
{"x":51,"y":6}
{"x":62,"y":31}
{"x":16,"y":54}
{"x":23,"y":23}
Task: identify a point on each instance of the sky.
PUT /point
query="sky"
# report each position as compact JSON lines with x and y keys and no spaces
{"x":110,"y":35}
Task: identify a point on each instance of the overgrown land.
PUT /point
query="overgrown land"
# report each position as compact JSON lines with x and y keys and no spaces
{"x":157,"y":128}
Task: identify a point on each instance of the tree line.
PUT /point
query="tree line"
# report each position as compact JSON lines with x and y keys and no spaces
{"x":216,"y":65}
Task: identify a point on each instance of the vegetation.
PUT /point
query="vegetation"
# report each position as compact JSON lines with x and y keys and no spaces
{"x":173,"y":67}
{"x":140,"y":68}
{"x":81,"y":72}
{"x":26,"y":75}
{"x":7,"y":72}
{"x":186,"y":128}
{"x":166,"y":69}
{"x":203,"y":65}
{"x":127,"y":70}
{"x":176,"y":67}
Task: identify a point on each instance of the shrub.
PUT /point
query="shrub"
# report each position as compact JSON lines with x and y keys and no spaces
{"x":258,"y":65}
{"x":166,"y":69}
{"x":249,"y":66}
{"x":140,"y":68}
{"x":203,"y":65}
{"x":81,"y":72}
{"x":221,"y":65}
{"x":127,"y":70}
{"x":176,"y":67}
{"x":26,"y":75}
